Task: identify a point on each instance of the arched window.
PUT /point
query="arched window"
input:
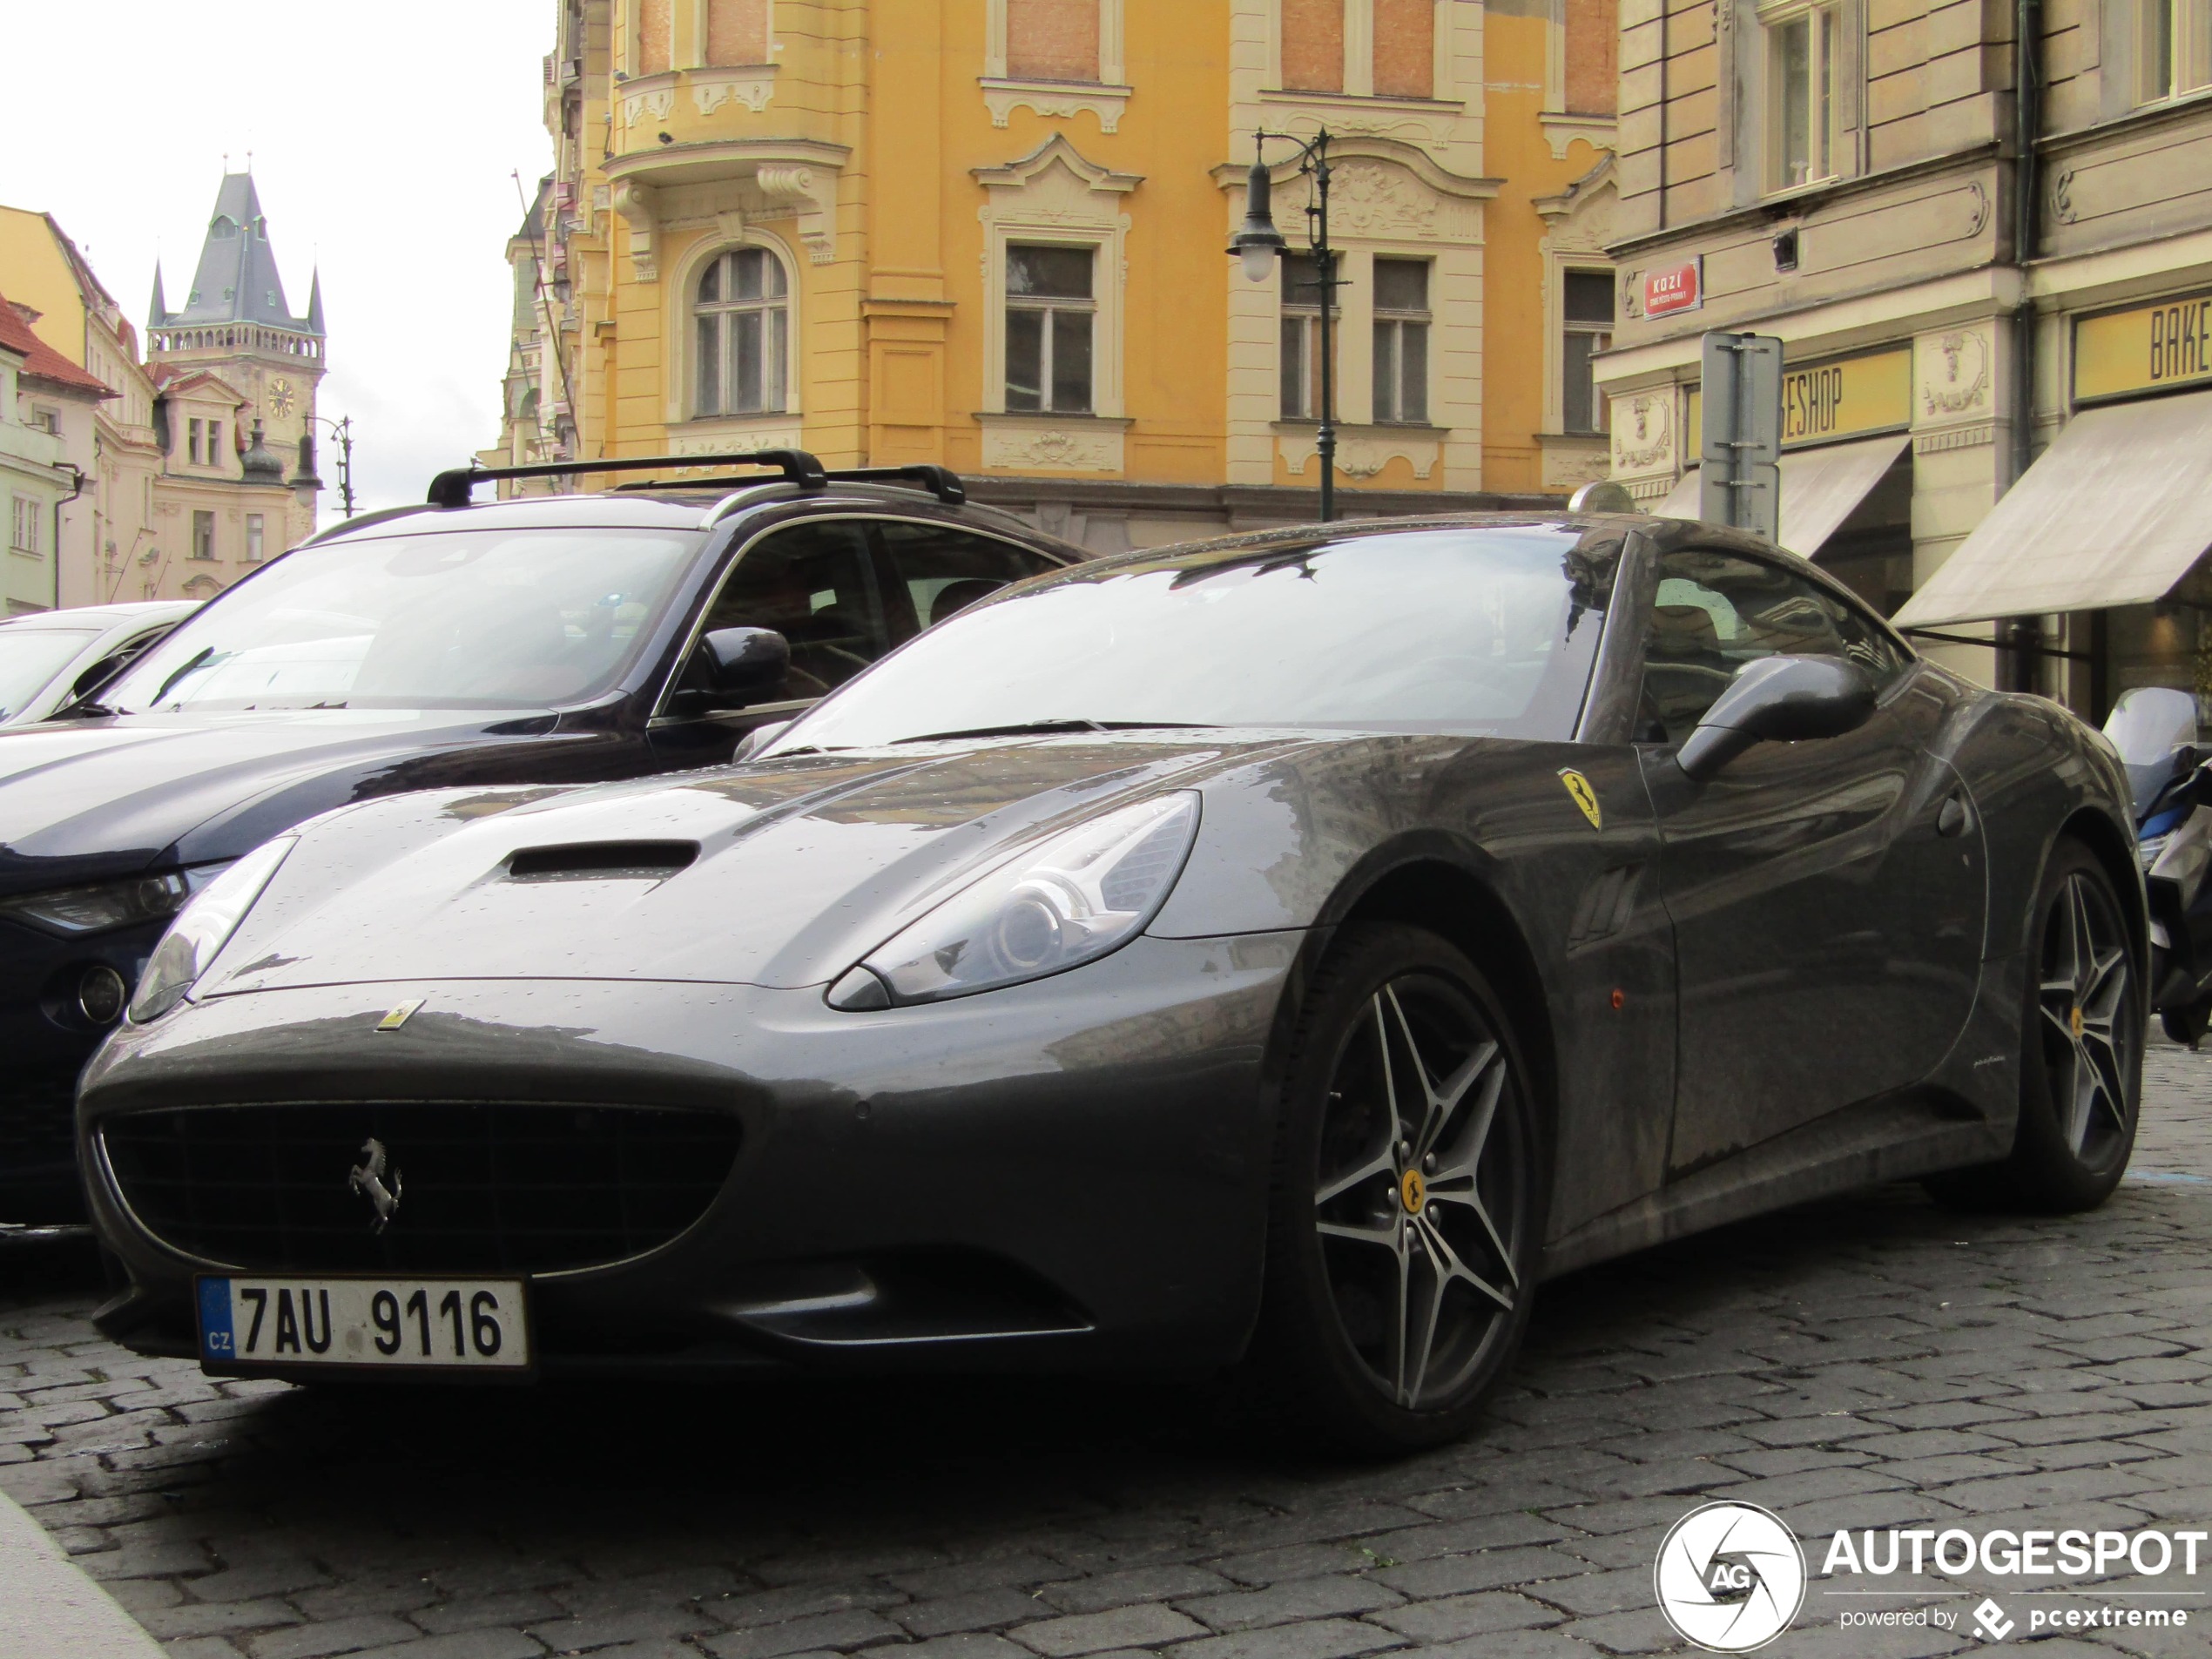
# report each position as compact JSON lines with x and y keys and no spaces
{"x":743,"y":316}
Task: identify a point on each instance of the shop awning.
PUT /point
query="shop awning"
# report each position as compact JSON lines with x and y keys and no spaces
{"x":1819,"y":488}
{"x":2114,"y":513}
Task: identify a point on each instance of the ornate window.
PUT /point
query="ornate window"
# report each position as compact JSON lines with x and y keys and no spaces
{"x":742,"y":318}
{"x":1049,"y":313}
{"x":1401,"y":340}
{"x":1802,"y":43}
{"x":202,"y":535}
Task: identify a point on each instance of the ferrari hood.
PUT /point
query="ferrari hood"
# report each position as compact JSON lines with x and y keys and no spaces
{"x":780,"y":875}
{"x":89,"y":799}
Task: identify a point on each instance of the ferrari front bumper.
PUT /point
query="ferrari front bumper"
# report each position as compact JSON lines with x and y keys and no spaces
{"x":1068,"y":1173}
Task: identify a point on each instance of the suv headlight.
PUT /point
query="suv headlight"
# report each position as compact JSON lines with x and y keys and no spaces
{"x":202,"y":927}
{"x":1070,"y":900}
{"x":73,"y":912}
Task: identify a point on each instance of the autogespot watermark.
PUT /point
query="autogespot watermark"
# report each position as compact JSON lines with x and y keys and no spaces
{"x":1732,"y":1577}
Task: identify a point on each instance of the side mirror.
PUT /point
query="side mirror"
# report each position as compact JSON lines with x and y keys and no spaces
{"x":1778,"y":699}
{"x":737,"y":660}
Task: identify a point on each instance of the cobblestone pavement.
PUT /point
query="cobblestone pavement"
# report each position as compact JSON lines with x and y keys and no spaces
{"x":1869,"y":1362}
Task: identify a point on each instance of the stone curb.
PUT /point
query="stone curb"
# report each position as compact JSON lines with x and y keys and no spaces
{"x":49,"y":1610}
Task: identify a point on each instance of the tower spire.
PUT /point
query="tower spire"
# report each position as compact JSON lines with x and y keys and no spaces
{"x":158,"y":313}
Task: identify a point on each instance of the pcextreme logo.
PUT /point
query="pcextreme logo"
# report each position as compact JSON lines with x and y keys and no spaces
{"x":1730,"y":1577}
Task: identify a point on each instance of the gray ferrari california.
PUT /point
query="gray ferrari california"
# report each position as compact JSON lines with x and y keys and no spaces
{"x":1282,"y":953}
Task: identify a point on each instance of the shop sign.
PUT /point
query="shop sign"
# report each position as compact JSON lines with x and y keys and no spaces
{"x":1674,"y":288}
{"x":1846,"y":397}
{"x":2150,"y":348}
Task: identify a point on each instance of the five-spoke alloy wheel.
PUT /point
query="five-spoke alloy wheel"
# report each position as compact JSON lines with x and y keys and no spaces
{"x":2081,"y":1059}
{"x":1408,"y":1196}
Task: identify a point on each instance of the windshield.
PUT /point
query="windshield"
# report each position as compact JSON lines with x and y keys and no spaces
{"x":29,"y":658}
{"x":523,"y":618}
{"x":1479,"y":630}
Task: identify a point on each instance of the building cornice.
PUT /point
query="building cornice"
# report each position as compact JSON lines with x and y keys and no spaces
{"x":1796,"y":203}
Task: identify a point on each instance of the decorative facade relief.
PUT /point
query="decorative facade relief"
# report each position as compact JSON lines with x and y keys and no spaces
{"x":653,"y":103}
{"x":1060,"y":99}
{"x":1644,"y":433}
{"x":711,"y":89}
{"x":1051,"y":443}
{"x":1954,"y":370}
{"x":1362,"y":453}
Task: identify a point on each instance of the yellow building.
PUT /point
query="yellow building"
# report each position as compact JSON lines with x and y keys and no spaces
{"x":989,"y":233}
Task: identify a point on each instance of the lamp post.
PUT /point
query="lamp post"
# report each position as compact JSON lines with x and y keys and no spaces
{"x":343,"y":431}
{"x":1258,"y":244}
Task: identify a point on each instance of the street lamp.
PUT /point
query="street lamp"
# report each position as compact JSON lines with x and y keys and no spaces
{"x":1258,"y":244}
{"x":343,"y":431}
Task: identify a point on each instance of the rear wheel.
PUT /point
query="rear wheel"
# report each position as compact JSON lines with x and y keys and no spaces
{"x":2081,"y":1059}
{"x":1408,"y":1197}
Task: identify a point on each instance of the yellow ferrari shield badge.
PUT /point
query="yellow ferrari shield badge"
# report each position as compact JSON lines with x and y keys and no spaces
{"x":1585,"y":796}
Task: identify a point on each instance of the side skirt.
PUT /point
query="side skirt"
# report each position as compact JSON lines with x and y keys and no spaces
{"x":1894,"y":1139}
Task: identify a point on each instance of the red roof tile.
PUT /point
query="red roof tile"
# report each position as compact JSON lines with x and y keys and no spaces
{"x":42,"y":361}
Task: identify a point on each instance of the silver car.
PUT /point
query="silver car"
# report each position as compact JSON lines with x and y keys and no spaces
{"x":52,"y":657}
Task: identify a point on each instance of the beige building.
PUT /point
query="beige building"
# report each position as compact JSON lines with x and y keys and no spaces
{"x":42,"y":396}
{"x":1976,"y":257}
{"x":179,"y":497}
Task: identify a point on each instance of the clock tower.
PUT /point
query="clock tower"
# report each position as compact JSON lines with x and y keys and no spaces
{"x":236,"y":333}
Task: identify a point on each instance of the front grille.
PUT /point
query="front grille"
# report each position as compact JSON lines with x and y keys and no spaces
{"x":481,"y":1186}
{"x":38,"y":1118}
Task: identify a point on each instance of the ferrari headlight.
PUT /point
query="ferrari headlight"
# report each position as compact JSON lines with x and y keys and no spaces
{"x":202,"y":928}
{"x":75,"y":911}
{"x":1070,"y":900}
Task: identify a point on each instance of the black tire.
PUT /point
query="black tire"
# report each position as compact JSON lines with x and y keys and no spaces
{"x":2081,"y":1059}
{"x":1358,"y":1238}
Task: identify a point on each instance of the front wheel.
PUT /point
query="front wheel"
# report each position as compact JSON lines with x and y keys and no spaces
{"x":2081,"y":1059}
{"x":1410,"y":1186}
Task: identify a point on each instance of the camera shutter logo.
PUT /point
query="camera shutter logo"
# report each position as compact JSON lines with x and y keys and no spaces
{"x":1730,"y":1577}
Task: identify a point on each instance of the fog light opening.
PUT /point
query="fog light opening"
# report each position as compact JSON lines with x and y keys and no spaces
{"x":101,"y":995}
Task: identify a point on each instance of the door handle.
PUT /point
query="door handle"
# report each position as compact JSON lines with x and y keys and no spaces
{"x":1951,"y":817}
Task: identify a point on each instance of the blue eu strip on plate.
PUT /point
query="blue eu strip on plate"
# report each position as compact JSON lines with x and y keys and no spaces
{"x":215,"y":1339}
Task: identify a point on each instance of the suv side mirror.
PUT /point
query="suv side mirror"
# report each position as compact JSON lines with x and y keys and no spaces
{"x":737,"y":660}
{"x":1781,"y":699}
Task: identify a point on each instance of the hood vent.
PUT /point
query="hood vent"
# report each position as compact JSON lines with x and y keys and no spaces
{"x":601,"y":861}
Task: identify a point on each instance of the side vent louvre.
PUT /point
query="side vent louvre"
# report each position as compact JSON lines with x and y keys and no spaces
{"x":598,"y":861}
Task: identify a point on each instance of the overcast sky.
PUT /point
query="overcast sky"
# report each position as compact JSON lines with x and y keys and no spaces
{"x":382,"y":137}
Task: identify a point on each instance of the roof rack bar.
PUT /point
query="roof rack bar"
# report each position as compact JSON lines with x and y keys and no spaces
{"x":941,"y":481}
{"x":452,"y":489}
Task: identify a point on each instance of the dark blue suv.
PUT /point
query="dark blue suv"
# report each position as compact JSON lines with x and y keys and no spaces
{"x":549,"y":639}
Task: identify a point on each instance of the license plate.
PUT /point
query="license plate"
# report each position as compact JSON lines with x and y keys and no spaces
{"x":474,"y":1325}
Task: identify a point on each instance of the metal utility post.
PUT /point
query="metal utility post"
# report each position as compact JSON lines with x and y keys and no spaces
{"x":1740,"y":449}
{"x":343,"y":431}
{"x":1259,"y":244}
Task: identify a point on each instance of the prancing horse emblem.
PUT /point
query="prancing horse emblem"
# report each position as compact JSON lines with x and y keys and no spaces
{"x":368,"y":1177}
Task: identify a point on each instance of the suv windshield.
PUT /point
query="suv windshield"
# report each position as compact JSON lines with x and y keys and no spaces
{"x":517,"y":618}
{"x":1477,"y":629}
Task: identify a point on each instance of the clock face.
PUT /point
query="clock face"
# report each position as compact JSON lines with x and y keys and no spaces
{"x":280,"y":396}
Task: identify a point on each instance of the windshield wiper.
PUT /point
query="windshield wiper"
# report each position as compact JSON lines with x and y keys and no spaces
{"x":1035,"y":728}
{"x":183,"y":669}
{"x":83,"y":708}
